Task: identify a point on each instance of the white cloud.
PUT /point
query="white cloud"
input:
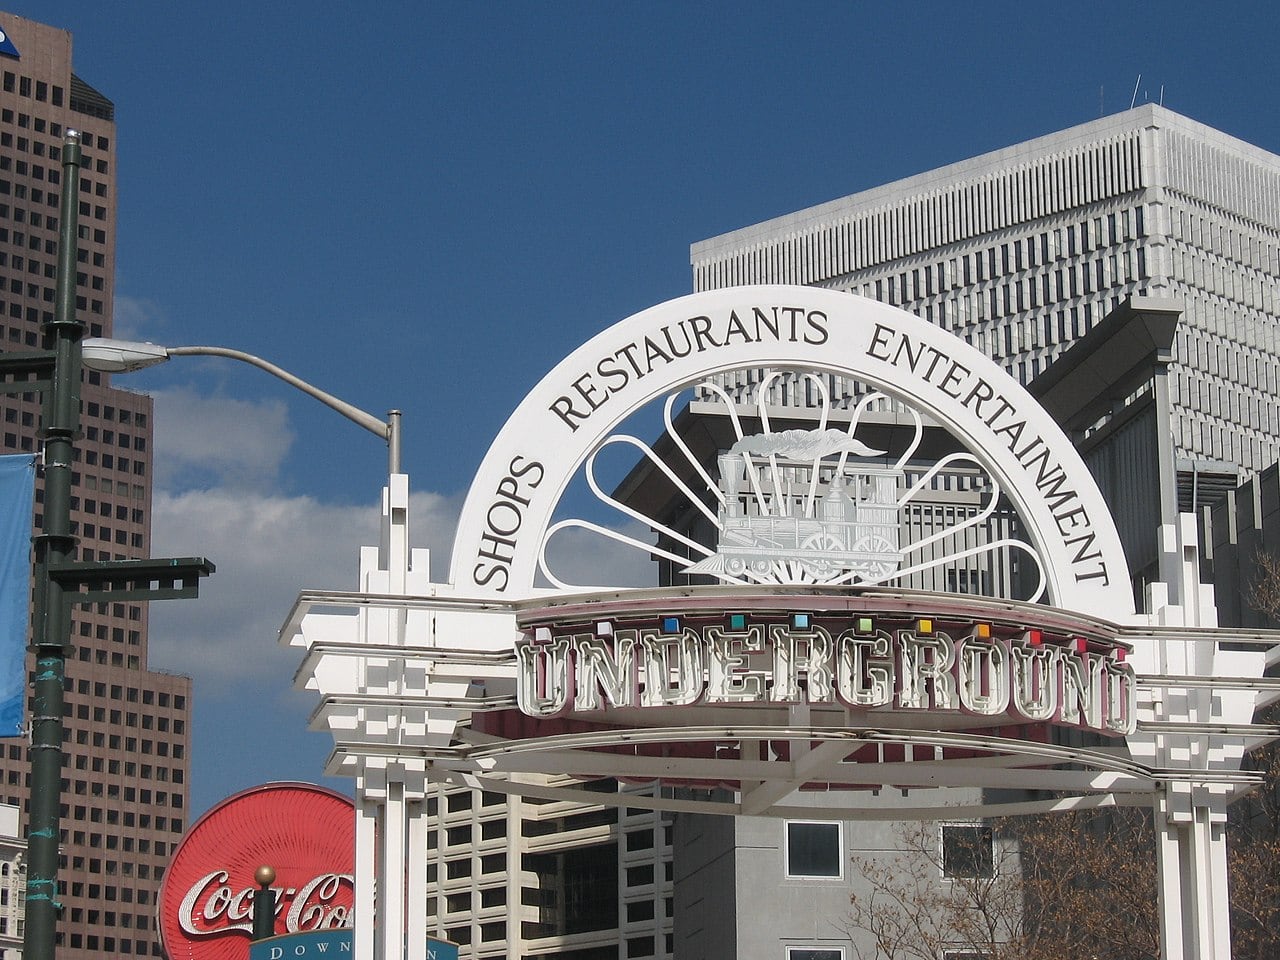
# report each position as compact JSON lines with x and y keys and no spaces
{"x":267,"y":548}
{"x":213,"y":442}
{"x":130,"y":316}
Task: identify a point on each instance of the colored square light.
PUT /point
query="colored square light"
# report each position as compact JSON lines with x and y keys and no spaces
{"x":982,"y":631}
{"x":670,"y":624}
{"x":924,"y":626}
{"x":863,"y":625}
{"x":1034,"y":638}
{"x":737,"y":621}
{"x":800,"y":621}
{"x":1119,"y":653}
{"x":604,"y":628}
{"x":1079,"y":644}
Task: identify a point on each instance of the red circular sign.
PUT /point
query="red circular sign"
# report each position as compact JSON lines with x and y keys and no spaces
{"x":306,"y":833}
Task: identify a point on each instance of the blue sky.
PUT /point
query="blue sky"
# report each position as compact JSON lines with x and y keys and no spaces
{"x":425,"y":206}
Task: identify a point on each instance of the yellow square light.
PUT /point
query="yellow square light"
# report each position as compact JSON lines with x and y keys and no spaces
{"x":924,"y":626}
{"x":982,"y":631}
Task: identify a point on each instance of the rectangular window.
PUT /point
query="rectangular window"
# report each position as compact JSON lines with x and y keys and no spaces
{"x":814,"y":850}
{"x":968,"y":851}
{"x":815,"y":953}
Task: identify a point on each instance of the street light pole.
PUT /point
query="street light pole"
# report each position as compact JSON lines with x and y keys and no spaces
{"x":61,"y":581}
{"x":125,"y":356}
{"x":53,"y":546}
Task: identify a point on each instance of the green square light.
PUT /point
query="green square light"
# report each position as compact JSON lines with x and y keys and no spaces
{"x":864,"y":625}
{"x":737,"y":621}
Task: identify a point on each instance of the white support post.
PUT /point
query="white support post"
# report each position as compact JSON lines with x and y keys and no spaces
{"x":1169,"y":867}
{"x":391,"y":892}
{"x":1207,"y":876}
{"x":363,"y":944}
{"x":417,"y":880}
{"x":1190,"y":817}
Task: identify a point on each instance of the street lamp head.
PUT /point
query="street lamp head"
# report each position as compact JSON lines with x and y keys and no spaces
{"x":120,"y":356}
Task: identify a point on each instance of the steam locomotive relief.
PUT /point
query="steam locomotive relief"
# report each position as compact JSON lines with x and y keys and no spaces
{"x":805,"y":505}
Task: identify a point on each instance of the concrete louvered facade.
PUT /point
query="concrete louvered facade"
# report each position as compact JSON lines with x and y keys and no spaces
{"x":1022,"y":251}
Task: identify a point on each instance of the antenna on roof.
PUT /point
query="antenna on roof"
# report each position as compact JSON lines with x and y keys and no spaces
{"x":1162,"y":94}
{"x":1134,"y":101}
{"x":1101,"y":109}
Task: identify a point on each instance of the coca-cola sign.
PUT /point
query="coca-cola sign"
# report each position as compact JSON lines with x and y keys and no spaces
{"x":306,"y":833}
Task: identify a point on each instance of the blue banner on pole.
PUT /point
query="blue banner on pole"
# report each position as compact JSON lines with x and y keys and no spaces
{"x":17,"y":501}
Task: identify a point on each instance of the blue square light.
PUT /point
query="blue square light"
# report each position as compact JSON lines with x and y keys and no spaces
{"x":670,"y":624}
{"x":737,"y":621}
{"x":800,"y":621}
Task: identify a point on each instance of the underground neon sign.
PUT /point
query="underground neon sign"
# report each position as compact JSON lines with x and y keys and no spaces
{"x":921,"y":666}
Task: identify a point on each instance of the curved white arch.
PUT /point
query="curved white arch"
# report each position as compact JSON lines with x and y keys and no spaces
{"x":659,"y":350}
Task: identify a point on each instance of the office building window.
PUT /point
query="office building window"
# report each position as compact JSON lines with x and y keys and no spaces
{"x":968,"y":851}
{"x":814,"y":850}
{"x":815,"y":953}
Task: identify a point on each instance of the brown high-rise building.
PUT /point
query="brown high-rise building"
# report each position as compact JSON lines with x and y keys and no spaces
{"x":124,"y":786}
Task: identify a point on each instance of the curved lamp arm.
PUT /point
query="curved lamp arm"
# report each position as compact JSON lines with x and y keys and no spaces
{"x":124,"y":356}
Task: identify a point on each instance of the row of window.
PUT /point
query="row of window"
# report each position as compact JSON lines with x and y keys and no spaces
{"x":111,"y":841}
{"x":113,"y":868}
{"x":143,"y":821}
{"x":130,"y":718}
{"x":92,"y":941}
{"x":1002,"y":261}
{"x":1244,"y":246}
{"x":815,"y":850}
{"x":120,"y":487}
{"x":130,"y":768}
{"x":100,"y":631}
{"x":25,"y":241}
{"x":109,"y":918}
{"x":117,"y":691}
{"x":109,"y":437}
{"x":110,"y":413}
{"x":100,"y":657}
{"x":113,"y":791}
{"x":109,"y":461}
{"x":26,"y":121}
{"x":104,"y":891}
{"x":40,"y":89}
{"x":160,"y":748}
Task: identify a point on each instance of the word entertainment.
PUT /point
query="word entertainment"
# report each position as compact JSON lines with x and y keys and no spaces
{"x":778,"y":664}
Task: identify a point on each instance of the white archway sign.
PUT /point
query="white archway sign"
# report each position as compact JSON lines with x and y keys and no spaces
{"x":421,"y":682}
{"x":683,"y":341}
